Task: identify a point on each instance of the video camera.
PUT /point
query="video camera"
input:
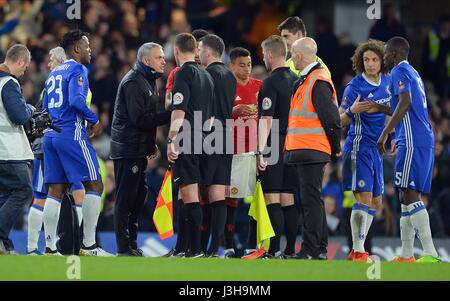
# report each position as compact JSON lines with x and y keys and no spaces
{"x":38,"y":123}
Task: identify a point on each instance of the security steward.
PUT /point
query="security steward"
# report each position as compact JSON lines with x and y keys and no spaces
{"x":313,"y":137}
{"x":133,"y":134}
{"x":192,"y":98}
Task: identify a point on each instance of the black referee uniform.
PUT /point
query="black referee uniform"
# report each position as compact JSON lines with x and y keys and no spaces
{"x":217,"y":169}
{"x":193,"y":92}
{"x":274,"y":100}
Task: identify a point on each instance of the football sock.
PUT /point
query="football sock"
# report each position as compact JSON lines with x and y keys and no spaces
{"x":277,"y":220}
{"x":34,"y":226}
{"x":407,"y":233}
{"x":91,"y":211}
{"x":358,"y":221}
{"x":291,"y":216}
{"x":229,"y":226}
{"x":193,"y":221}
{"x":51,"y":217}
{"x":421,"y":223}
{"x":218,"y":220}
{"x":79,"y":214}
{"x":205,"y":227}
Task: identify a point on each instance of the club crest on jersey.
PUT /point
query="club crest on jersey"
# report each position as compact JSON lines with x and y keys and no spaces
{"x":266,"y":103}
{"x":135,"y":169}
{"x":80,"y":81}
{"x":361,"y":183}
{"x":178,"y":98}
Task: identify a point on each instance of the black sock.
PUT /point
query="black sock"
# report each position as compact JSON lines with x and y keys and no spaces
{"x":218,"y":220}
{"x":205,"y":227}
{"x":251,"y":240}
{"x":182,"y":237}
{"x":193,"y":221}
{"x":229,"y":226}
{"x":291,"y":227}
{"x":276,"y":218}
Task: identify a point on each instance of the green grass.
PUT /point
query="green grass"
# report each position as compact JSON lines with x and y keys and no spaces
{"x":127,"y":268}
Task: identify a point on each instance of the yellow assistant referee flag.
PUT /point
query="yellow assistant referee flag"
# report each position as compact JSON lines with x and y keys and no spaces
{"x":163,"y":214}
{"x":258,"y":211}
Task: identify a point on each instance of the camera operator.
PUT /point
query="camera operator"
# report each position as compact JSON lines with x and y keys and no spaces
{"x":15,"y":151}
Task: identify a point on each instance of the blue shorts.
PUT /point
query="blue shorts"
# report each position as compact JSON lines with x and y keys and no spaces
{"x":363,"y":171}
{"x":69,"y":161}
{"x":39,"y":189}
{"x":414,"y":168}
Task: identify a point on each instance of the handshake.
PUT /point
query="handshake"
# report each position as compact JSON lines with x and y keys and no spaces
{"x":39,"y":122}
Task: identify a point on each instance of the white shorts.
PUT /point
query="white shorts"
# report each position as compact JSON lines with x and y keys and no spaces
{"x":243,"y":176}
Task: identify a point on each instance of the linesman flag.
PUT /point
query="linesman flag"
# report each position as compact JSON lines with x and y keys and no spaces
{"x":258,"y":211}
{"x":163,"y":214}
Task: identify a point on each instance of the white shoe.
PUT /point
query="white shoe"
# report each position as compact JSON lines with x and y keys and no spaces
{"x":95,"y":252}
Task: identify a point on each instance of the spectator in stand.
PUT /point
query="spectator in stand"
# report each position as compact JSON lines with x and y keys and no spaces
{"x":388,"y":26}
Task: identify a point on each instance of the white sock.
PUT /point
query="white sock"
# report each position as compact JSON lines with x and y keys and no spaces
{"x":358,"y":221}
{"x":34,"y":226}
{"x":370,"y":215}
{"x":91,"y":211}
{"x":79,"y":214}
{"x":421,"y":223}
{"x":407,"y":234}
{"x":51,"y":218}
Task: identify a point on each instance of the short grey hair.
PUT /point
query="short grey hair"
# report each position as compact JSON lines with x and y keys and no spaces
{"x":145,"y":50}
{"x":58,"y":53}
{"x":17,"y":52}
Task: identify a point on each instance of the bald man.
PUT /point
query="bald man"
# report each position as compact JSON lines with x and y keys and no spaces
{"x":313,"y":138}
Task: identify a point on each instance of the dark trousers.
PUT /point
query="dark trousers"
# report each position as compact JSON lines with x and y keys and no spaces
{"x":130,"y":197}
{"x":68,"y":230}
{"x":315,"y":232}
{"x":15,"y":193}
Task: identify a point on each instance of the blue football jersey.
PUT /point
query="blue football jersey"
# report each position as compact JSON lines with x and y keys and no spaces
{"x":366,"y":128}
{"x":66,"y":89}
{"x":415,"y":128}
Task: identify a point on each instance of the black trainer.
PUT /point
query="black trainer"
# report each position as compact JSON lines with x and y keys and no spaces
{"x":174,"y":253}
{"x":138,"y":252}
{"x":196,"y":255}
{"x":303,"y":256}
{"x":289,"y":256}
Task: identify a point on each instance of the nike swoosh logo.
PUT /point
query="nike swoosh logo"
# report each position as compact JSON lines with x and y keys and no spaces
{"x":174,"y":180}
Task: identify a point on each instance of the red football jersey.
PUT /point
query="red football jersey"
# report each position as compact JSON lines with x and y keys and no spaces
{"x":246,"y":126}
{"x":170,"y":78}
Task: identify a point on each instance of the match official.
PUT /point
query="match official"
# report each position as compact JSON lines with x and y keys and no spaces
{"x":278,"y":180}
{"x":193,"y":95}
{"x":217,"y":171}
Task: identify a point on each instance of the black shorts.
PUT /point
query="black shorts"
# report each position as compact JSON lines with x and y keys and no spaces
{"x":187,"y":170}
{"x":216,"y":169}
{"x":279,"y":177}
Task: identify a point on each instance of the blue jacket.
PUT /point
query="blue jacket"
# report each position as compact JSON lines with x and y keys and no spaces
{"x":15,"y":105}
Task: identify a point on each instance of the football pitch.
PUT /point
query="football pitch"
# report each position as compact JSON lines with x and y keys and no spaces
{"x":171,"y":269}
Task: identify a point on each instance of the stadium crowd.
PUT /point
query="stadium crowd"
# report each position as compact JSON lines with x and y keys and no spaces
{"x":117,"y":28}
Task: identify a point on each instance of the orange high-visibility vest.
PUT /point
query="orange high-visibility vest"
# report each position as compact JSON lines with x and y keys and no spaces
{"x":305,"y":131}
